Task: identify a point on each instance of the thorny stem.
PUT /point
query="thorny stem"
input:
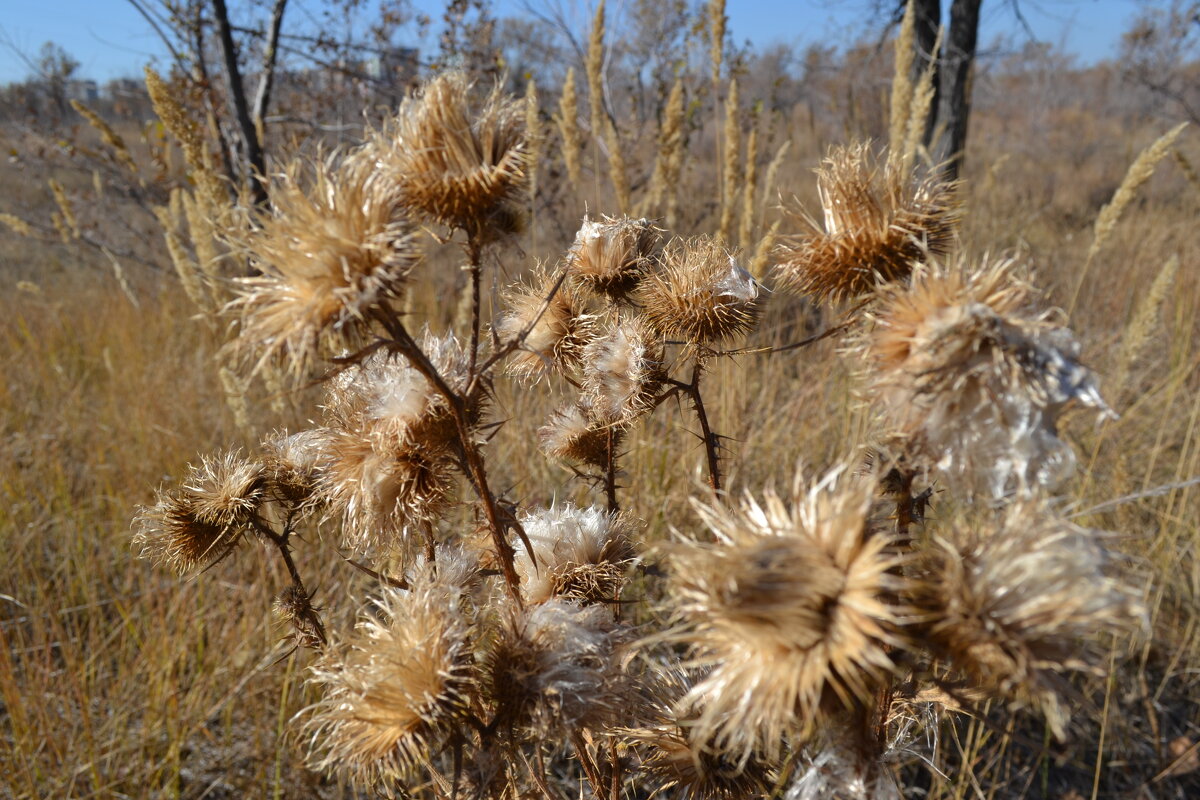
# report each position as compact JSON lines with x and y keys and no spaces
{"x":476,"y":470}
{"x":610,"y":471}
{"x":280,"y":540}
{"x":711,"y":442}
{"x":589,"y":766}
{"x":473,"y":257}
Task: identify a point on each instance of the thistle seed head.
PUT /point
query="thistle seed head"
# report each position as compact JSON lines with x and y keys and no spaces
{"x":789,"y":609}
{"x":397,"y":690}
{"x":623,"y":371}
{"x":574,"y":434}
{"x":879,"y":221}
{"x":700,"y":295}
{"x":291,"y":464}
{"x":329,"y":252}
{"x":610,"y":256}
{"x":456,"y":162}
{"x":582,"y":554}
{"x":556,"y":339}
{"x":293,"y":606}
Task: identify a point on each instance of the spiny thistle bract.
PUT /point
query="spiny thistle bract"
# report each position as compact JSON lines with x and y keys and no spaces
{"x":581,"y":554}
{"x":556,"y":338}
{"x":456,"y":162}
{"x":623,"y":370}
{"x":573,"y":433}
{"x":329,"y":252}
{"x":788,"y":608}
{"x":611,"y":255}
{"x":975,"y":381}
{"x":699,"y":295}
{"x":204,"y":518}
{"x":400,"y":686}
{"x":878,"y":222}
{"x":1015,"y":602}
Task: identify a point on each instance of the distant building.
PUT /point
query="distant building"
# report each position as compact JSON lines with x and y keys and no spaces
{"x":85,"y":91}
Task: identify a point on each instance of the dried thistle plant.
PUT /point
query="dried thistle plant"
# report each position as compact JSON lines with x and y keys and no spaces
{"x":557,"y":333}
{"x":578,"y":554}
{"x":785,"y":652}
{"x":975,"y":379}
{"x":611,"y":256}
{"x":878,"y":222}
{"x":699,"y":295}
{"x":623,"y":371}
{"x":456,"y":162}
{"x":573,"y":433}
{"x":1017,"y":603}
{"x":330,"y":252}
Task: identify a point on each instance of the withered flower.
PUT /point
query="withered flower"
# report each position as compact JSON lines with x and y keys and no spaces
{"x":556,"y":338}
{"x":879,"y":221}
{"x":574,"y":434}
{"x":700,"y":295}
{"x":623,"y":371}
{"x":582,"y":554}
{"x":611,"y":255}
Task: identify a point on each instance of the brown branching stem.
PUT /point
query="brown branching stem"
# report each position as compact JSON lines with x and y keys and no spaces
{"x":282,"y":545}
{"x":711,"y":440}
{"x":610,"y":471}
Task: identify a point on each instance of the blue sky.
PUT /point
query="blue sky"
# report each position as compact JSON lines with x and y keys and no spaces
{"x":110,"y":39}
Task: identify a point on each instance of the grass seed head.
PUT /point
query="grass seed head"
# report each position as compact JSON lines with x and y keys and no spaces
{"x":557,"y":338}
{"x":788,"y":608}
{"x":700,"y":295}
{"x":328,"y":252}
{"x":397,"y":690}
{"x":582,"y":554}
{"x":611,"y":256}
{"x":878,"y":222}
{"x":623,"y":371}
{"x":456,"y":162}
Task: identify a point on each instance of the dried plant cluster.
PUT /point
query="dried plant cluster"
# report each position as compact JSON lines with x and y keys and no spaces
{"x":778,"y":645}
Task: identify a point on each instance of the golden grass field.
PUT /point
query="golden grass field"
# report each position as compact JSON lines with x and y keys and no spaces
{"x":117,"y":680}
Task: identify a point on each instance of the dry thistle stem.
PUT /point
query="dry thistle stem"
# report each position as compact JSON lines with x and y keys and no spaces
{"x":623,"y":371}
{"x":700,"y":295}
{"x":557,"y":338}
{"x":398,"y":690}
{"x":1016,"y":602}
{"x":329,"y":254}
{"x":610,"y":256}
{"x":582,"y":554}
{"x":205,"y":517}
{"x":293,"y":606}
{"x":457,"y":163}
{"x":878,"y":222}
{"x":975,"y":380}
{"x":788,"y":608}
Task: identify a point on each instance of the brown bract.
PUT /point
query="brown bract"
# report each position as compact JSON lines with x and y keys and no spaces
{"x":878,"y":222}
{"x":454,"y":161}
{"x":556,"y":338}
{"x":789,"y":608}
{"x":573,"y":433}
{"x":699,"y":295}
{"x":332,"y":248}
{"x":611,"y":255}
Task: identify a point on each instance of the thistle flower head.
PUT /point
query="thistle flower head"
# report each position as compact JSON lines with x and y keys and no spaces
{"x":975,"y":381}
{"x":582,"y":554}
{"x":291,"y":464}
{"x":557,"y":666}
{"x":293,"y":606}
{"x":610,"y":256}
{"x":205,"y":517}
{"x":878,"y":220}
{"x":788,"y":609}
{"x":556,"y":338}
{"x":398,"y":689}
{"x":1016,"y":603}
{"x":328,"y":253}
{"x":623,"y":370}
{"x":700,"y":294}
{"x":456,"y":162}
{"x":574,"y":434}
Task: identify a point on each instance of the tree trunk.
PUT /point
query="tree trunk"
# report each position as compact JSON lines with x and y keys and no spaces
{"x":237,"y":93}
{"x":927,"y":20}
{"x":954,"y":95}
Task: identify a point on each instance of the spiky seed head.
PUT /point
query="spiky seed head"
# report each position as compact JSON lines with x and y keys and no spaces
{"x":975,"y":380}
{"x":457,"y":162}
{"x":398,"y":688}
{"x":623,"y":371}
{"x":293,"y":606}
{"x":291,"y":463}
{"x":1017,"y":601}
{"x":574,"y":434}
{"x":611,"y":255}
{"x":699,"y":295}
{"x":679,"y":766}
{"x":582,"y":554}
{"x":556,"y":338}
{"x":384,"y":488}
{"x":204,"y":518}
{"x":878,"y":222}
{"x":556,"y":666}
{"x":789,"y":608}
{"x":329,"y":252}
